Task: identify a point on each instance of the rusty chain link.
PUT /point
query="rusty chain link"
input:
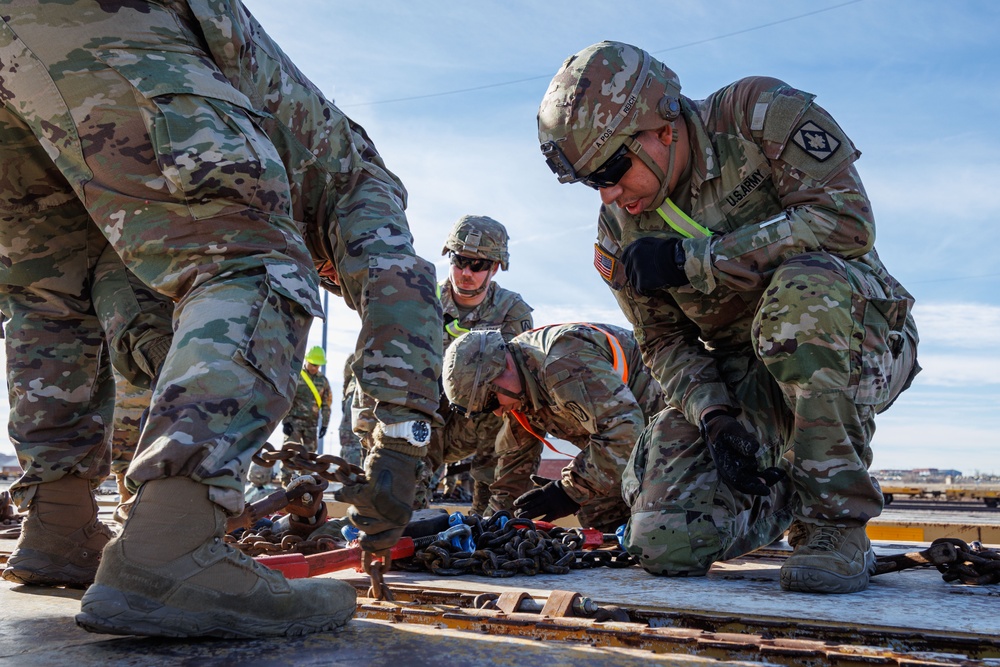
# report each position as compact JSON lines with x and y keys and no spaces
{"x":956,"y":561}
{"x":302,"y":500}
{"x":295,"y":456}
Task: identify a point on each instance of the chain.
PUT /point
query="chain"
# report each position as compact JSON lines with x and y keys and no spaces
{"x":374,"y":569}
{"x":265,"y":542}
{"x":507,"y":547}
{"x":956,"y":561}
{"x":295,"y":456}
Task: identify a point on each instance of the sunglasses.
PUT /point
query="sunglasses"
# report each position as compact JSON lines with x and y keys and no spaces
{"x":609,"y":173}
{"x":474,"y":264}
{"x":491,"y":403}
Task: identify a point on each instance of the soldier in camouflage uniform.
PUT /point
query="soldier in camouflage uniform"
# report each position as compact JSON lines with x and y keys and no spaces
{"x":350,"y":444}
{"x":182,"y":136}
{"x":585,"y":383}
{"x":308,"y":418}
{"x":477,"y":247}
{"x":738,"y":239}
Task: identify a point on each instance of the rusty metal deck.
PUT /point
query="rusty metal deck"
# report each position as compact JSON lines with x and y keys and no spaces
{"x":737,"y":614}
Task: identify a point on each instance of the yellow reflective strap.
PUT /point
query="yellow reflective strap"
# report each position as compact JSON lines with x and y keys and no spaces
{"x":312,"y":387}
{"x":681,"y":222}
{"x":455,"y":330}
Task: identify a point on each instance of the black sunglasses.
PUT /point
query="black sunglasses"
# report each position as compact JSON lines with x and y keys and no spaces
{"x":609,"y":173}
{"x":472,"y":263}
{"x":491,"y":404}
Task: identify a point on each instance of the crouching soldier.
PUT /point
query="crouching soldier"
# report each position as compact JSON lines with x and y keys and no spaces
{"x":585,"y":383}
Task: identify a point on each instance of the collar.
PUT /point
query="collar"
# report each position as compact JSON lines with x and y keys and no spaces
{"x":532,"y":389}
{"x":704,"y":165}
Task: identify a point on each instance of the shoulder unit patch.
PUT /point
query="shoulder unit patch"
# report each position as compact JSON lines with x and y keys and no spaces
{"x":816,"y":141}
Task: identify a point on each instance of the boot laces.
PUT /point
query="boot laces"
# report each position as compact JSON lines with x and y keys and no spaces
{"x":826,"y":538}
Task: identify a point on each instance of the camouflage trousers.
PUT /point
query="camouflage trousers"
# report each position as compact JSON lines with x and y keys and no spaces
{"x":463,"y":437}
{"x":831,"y":351}
{"x":137,"y":325}
{"x":350,"y":444}
{"x":130,"y":404}
{"x":188,"y":191}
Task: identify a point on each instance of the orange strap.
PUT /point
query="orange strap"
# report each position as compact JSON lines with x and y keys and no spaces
{"x":618,"y":360}
{"x":523,"y":421}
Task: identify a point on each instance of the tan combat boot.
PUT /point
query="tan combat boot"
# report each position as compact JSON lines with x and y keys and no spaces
{"x":170,"y":574}
{"x":61,"y":539}
{"x":827,"y":559}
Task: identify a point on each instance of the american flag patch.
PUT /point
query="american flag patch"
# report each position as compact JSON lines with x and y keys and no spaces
{"x":604,"y":262}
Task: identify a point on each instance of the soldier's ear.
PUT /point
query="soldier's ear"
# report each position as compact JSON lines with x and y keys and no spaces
{"x":667,"y":134}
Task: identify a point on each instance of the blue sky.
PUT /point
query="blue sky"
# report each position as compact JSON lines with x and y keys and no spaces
{"x":448,"y":91}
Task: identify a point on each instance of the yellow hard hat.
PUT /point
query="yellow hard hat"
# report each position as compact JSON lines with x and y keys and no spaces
{"x":316,"y":356}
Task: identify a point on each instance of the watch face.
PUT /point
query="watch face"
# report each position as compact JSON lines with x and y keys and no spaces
{"x":421,"y":431}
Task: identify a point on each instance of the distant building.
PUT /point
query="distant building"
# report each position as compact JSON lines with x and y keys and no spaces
{"x":9,"y":467}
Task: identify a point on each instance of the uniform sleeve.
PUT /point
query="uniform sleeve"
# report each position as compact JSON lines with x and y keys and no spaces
{"x":823,"y":205}
{"x":586,"y":387}
{"x":351,"y":208}
{"x":518,"y":455}
{"x":392,"y":288}
{"x":517,"y":320}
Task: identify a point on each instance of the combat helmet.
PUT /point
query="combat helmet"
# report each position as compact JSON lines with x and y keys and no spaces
{"x":316,"y":356}
{"x":471,"y":363}
{"x":478,"y":236}
{"x":595,"y":105}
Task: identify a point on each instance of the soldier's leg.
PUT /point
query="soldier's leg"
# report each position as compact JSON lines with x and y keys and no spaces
{"x":219,"y":241}
{"x":350,"y":445}
{"x":131,"y":402}
{"x":137,"y":323}
{"x":60,"y":387}
{"x":137,"y":320}
{"x":834,"y":341}
{"x":683,"y":517}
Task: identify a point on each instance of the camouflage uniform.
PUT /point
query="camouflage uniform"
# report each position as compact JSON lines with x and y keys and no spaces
{"x":573,"y":391}
{"x":161,"y":131}
{"x":461,"y":437}
{"x":350,"y":445}
{"x":306,"y":415}
{"x":136,"y":322}
{"x":790,"y":317}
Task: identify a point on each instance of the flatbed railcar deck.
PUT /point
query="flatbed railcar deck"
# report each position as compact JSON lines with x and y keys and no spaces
{"x":737,"y":614}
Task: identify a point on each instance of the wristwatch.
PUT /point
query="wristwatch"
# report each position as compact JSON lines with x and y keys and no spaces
{"x":417,"y":432}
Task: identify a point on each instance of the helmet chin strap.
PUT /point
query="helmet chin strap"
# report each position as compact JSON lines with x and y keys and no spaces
{"x":468,"y":294}
{"x":664,"y":178}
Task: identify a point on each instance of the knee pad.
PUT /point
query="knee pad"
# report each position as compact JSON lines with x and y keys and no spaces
{"x":673,"y":543}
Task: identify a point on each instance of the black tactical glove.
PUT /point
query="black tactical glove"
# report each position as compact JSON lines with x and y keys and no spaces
{"x":734,"y":451}
{"x":548,"y":502}
{"x":286,"y":428}
{"x":322,"y":431}
{"x":652,"y":263}
{"x":381,"y":507}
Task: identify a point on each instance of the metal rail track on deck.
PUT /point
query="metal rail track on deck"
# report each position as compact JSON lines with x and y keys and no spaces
{"x":717,"y":636}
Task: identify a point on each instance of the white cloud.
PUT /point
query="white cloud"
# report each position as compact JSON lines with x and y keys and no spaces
{"x":973,"y":326}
